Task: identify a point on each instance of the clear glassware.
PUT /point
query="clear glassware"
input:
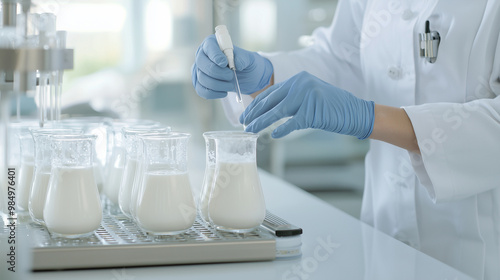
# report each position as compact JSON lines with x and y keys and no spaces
{"x":114,"y":134}
{"x":236,"y":202}
{"x":139,"y":174}
{"x":42,"y":171}
{"x":206,"y":188}
{"x":133,"y":152}
{"x":14,"y":158}
{"x":165,"y":203}
{"x":73,"y":207}
{"x":116,"y":159}
{"x":26,"y":169}
{"x":97,"y":126}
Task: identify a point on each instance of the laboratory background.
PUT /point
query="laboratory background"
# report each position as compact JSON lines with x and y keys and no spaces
{"x":133,"y":60}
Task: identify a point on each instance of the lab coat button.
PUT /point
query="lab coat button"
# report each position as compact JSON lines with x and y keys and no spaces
{"x":407,"y":14}
{"x":394,"y":73}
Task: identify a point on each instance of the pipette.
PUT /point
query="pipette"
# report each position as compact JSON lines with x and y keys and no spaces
{"x":226,"y":46}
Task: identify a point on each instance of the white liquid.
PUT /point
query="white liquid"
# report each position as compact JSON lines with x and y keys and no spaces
{"x":73,"y":207}
{"x":99,"y":178}
{"x":113,"y":181}
{"x":166,"y":204}
{"x":114,"y":173}
{"x":205,"y":192}
{"x":38,"y":196}
{"x":24,"y":184}
{"x":237,"y":201}
{"x":126,"y":186}
{"x":136,"y":188}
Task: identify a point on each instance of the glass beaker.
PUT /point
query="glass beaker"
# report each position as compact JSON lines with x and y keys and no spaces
{"x":165,"y":205}
{"x":14,"y":156}
{"x":206,"y":187}
{"x":139,"y":174}
{"x":26,"y":170}
{"x":236,"y":201}
{"x":96,"y":126}
{"x":42,"y":171}
{"x":117,"y":156}
{"x":132,"y":146}
{"x":73,"y":207}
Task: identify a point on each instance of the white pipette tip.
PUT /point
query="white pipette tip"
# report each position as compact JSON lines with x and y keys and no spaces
{"x":238,"y":91}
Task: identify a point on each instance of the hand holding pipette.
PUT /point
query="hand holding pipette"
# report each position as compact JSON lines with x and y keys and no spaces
{"x":220,"y":68}
{"x":212,"y":70}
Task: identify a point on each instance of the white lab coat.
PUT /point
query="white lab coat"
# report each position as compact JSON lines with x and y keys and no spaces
{"x":445,"y":202}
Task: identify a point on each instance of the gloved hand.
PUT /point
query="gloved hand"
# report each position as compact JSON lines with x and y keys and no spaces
{"x":312,"y":103}
{"x":212,"y":78}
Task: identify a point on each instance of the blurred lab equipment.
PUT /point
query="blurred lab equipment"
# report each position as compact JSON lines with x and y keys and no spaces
{"x":33,"y":57}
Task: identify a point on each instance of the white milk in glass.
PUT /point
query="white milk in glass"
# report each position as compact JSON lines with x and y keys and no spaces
{"x":26,"y":172}
{"x":206,"y":190}
{"x":114,"y":175}
{"x":113,"y":181}
{"x":136,"y":188}
{"x":99,"y":177}
{"x":236,"y":200}
{"x":38,"y":196}
{"x":73,"y":207}
{"x":126,"y":185}
{"x":165,"y":204}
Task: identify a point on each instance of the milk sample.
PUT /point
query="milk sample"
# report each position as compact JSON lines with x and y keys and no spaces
{"x":205,"y":193}
{"x":126,"y":186}
{"x":99,"y":177}
{"x":165,"y":204}
{"x":38,"y":196}
{"x":236,"y":201}
{"x":136,"y":188}
{"x":24,"y":184}
{"x":73,"y":207}
{"x":113,"y":182}
{"x":114,"y":174}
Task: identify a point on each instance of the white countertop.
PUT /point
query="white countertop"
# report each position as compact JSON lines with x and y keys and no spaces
{"x":335,"y":246}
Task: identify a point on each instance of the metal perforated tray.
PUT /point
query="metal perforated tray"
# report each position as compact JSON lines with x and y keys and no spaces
{"x":119,"y":242}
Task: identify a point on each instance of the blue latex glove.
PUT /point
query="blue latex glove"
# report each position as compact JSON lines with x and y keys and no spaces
{"x":312,"y":103}
{"x":212,"y":78}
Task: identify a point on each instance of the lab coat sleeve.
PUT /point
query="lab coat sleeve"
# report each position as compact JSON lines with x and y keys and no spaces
{"x":459,"y":145}
{"x":334,"y":56}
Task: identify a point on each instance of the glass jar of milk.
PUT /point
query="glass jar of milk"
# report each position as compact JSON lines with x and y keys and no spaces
{"x":116,"y":159}
{"x":14,"y":156}
{"x":236,"y":201}
{"x":73,"y":208}
{"x":97,"y":126}
{"x":131,"y":168}
{"x":43,"y":165}
{"x":165,"y":204}
{"x":26,"y":169}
